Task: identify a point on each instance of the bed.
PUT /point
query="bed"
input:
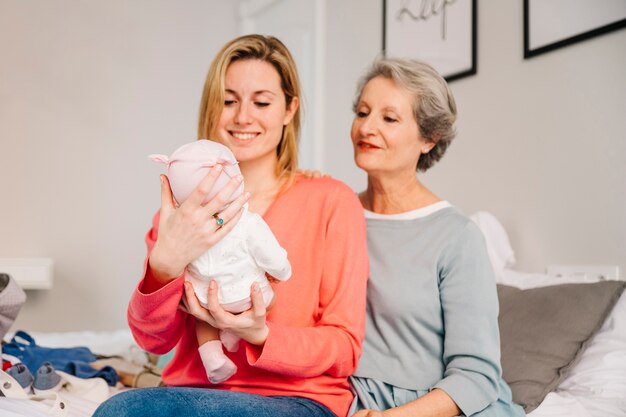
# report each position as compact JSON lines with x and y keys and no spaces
{"x":563,"y":338}
{"x":563,"y":342}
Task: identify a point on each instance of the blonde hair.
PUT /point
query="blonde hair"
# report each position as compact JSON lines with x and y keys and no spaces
{"x":434,"y":107}
{"x":264,"y":48}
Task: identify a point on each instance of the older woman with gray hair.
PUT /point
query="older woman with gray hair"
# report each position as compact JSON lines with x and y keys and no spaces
{"x":432,"y":344}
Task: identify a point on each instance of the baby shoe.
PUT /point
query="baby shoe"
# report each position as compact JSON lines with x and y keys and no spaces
{"x":46,"y":379}
{"x":22,"y":375}
{"x":217,"y":365}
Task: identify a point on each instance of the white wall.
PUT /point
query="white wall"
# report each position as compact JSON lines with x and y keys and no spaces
{"x":541,"y":143}
{"x":88,"y":89}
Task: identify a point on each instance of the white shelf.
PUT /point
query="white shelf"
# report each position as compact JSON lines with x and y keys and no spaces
{"x":29,"y":273}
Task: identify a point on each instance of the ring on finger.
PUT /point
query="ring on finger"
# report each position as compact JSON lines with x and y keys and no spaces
{"x":218,"y":220}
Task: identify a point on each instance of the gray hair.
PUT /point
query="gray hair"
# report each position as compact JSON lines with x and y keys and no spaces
{"x":434,"y":107}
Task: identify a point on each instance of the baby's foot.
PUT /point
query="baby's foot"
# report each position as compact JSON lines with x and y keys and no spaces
{"x":217,"y":365}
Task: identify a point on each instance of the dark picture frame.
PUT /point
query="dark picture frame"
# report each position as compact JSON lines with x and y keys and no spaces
{"x":550,"y":25}
{"x":441,"y":33}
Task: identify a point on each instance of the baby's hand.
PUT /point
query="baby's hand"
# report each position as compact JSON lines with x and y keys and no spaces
{"x":271,"y":278}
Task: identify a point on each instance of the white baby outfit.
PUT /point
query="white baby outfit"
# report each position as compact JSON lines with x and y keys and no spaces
{"x":242,"y":257}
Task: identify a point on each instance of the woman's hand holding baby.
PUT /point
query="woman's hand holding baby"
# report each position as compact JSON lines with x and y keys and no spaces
{"x":187,"y":231}
{"x":249,"y":325}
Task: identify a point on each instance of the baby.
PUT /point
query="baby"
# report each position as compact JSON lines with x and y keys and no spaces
{"x":242,"y":257}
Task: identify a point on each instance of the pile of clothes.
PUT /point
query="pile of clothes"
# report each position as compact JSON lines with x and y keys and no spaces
{"x":40,"y":381}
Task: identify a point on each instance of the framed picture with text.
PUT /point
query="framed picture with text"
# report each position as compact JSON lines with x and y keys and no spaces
{"x":553,"y":24}
{"x":439,"y":32}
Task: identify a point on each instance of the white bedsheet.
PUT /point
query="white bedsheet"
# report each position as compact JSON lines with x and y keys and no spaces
{"x":560,"y":405}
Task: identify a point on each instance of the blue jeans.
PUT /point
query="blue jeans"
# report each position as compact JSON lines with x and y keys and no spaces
{"x":181,"y":401}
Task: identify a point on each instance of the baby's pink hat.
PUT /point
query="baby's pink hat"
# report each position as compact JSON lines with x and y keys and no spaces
{"x":190,"y":163}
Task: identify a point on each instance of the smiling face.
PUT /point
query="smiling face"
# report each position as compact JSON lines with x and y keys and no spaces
{"x":255,"y":111}
{"x":385,"y":134}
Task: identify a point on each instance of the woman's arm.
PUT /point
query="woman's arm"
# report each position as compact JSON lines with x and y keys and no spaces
{"x":434,"y":404}
{"x":469,"y":305}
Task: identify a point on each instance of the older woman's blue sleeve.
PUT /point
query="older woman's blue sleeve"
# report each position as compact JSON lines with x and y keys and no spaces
{"x":470,"y":315}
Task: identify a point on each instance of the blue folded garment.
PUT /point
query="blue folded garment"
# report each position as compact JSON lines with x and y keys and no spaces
{"x":74,"y":361}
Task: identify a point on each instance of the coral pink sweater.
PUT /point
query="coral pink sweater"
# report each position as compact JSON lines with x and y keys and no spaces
{"x":317,"y":322}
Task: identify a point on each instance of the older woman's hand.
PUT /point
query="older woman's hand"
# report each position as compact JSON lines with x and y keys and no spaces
{"x":187,"y":231}
{"x":311,"y":173}
{"x":369,"y":413}
{"x":249,"y":325}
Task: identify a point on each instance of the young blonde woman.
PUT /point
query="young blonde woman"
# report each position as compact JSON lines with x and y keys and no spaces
{"x":295,"y":359}
{"x":431,"y":345}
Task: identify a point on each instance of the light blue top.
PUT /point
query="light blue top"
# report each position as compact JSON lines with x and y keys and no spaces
{"x":432,"y":310}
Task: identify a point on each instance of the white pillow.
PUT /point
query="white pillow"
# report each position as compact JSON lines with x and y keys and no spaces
{"x":497,"y":242}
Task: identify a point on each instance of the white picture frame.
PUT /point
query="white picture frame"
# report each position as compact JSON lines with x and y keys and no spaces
{"x":442,"y":33}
